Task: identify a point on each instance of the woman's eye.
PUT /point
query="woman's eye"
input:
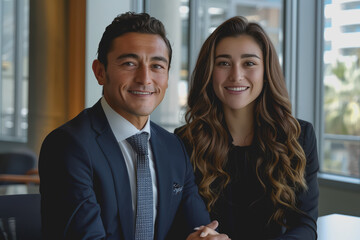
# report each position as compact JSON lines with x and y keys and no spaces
{"x":223,"y":64}
{"x":249,"y":64}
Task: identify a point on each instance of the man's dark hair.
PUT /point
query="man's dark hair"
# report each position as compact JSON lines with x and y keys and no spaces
{"x":131,"y":22}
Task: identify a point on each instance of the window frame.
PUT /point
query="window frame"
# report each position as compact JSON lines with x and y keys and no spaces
{"x":18,"y":71}
{"x":312,"y":71}
{"x":303,"y":63}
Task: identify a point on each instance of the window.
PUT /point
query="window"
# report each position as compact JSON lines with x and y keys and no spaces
{"x":197,"y":20}
{"x":14,"y":45}
{"x":327,"y":23}
{"x":350,"y":5}
{"x":350,"y":28}
{"x":211,"y":13}
{"x":268,"y":13}
{"x":341,"y":81}
{"x":327,"y":45}
{"x":333,"y":105}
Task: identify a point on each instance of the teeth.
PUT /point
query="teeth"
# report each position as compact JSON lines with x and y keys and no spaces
{"x":236,"y":88}
{"x":141,"y":93}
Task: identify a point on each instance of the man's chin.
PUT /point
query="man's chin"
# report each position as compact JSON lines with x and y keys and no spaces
{"x":144,"y":112}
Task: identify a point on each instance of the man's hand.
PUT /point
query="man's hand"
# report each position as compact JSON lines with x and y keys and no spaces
{"x":207,"y":233}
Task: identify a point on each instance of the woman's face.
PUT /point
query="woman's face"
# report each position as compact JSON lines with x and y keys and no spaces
{"x":238,"y":74}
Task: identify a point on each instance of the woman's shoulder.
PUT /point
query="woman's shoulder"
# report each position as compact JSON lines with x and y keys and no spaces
{"x":308,"y":142}
{"x":304,"y":124}
{"x":307,"y":132}
{"x":178,"y":131}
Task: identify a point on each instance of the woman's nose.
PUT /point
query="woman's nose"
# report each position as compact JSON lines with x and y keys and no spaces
{"x":237,"y":74}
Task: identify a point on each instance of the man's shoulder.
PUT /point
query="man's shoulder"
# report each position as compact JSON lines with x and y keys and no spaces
{"x":80,"y":124}
{"x":85,"y":117}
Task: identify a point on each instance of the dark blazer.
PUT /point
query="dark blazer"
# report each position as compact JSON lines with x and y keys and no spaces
{"x":303,"y":225}
{"x":85,"y":190}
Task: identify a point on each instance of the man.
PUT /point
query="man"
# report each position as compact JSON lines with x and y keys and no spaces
{"x":96,"y":180}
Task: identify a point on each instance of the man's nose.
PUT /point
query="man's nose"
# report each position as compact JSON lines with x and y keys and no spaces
{"x":143,"y":75}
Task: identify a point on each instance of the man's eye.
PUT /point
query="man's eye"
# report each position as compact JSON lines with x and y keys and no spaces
{"x":128,"y":64}
{"x":158,"y":66}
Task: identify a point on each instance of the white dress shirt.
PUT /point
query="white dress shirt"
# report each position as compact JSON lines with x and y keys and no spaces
{"x":123,"y":129}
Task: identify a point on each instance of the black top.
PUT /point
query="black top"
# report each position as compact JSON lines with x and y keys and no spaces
{"x":244,"y":209}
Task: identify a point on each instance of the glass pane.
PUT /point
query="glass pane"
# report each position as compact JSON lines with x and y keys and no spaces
{"x":25,"y":73}
{"x":184,"y":73}
{"x":209,"y":14}
{"x":14,"y":48}
{"x":175,"y":16}
{"x":341,"y":157}
{"x":7,"y":68}
{"x":268,"y":13}
{"x":341,"y":88}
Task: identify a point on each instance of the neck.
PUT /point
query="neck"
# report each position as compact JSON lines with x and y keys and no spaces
{"x":241,"y":125}
{"x":139,"y":123}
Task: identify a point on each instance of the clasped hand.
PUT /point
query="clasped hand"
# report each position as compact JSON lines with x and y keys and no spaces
{"x":207,"y":233}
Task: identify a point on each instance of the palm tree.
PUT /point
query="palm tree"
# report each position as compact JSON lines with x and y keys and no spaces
{"x":342,"y":108}
{"x":342,"y":100}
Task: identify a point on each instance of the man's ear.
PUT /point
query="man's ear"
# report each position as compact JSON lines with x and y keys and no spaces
{"x":99,"y":71}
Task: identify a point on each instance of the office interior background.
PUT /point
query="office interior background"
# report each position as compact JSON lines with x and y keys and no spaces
{"x":47,"y":48}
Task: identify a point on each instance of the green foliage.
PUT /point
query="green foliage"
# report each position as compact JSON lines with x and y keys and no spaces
{"x":339,"y":70}
{"x":342,"y":99}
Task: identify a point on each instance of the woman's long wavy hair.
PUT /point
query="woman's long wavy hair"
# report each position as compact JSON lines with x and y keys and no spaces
{"x":280,"y":167}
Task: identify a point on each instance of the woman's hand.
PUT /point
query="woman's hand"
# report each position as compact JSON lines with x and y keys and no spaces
{"x":207,"y":233}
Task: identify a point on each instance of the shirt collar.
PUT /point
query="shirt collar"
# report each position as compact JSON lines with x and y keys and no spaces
{"x":121,"y":127}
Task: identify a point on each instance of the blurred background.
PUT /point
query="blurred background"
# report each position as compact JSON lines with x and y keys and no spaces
{"x":47,"y":48}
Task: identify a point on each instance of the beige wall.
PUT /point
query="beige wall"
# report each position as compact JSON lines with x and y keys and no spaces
{"x":56,"y":66}
{"x":333,"y":199}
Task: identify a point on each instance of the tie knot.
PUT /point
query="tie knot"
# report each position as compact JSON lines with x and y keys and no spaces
{"x":139,"y":143}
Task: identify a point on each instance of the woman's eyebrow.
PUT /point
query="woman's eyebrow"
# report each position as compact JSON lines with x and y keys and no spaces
{"x":223,"y":56}
{"x":249,"y":55}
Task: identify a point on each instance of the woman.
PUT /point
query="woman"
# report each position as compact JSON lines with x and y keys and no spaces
{"x":255,"y":164}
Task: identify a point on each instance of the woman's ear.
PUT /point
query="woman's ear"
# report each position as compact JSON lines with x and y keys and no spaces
{"x":99,"y":71}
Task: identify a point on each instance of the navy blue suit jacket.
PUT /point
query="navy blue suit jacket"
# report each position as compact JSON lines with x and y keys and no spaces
{"x":85,"y":190}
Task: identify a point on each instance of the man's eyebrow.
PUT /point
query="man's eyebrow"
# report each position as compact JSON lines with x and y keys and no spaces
{"x":128,"y":55}
{"x":135,"y":56}
{"x":160,"y":58}
{"x":245,"y":55}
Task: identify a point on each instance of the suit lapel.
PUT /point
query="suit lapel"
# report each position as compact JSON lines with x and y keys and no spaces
{"x":161,"y":159}
{"x":114,"y":156}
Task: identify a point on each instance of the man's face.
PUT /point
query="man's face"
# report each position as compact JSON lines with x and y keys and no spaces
{"x":136,"y":77}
